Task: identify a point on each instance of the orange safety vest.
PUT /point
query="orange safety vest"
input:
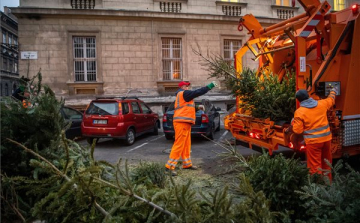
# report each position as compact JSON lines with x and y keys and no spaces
{"x":313,"y":122}
{"x":184,"y":111}
{"x":26,"y":104}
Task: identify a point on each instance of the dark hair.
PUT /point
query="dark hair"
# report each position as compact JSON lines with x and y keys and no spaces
{"x":301,"y":95}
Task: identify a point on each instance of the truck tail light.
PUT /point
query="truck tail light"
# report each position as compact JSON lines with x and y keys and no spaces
{"x":291,"y":146}
{"x":254,"y":135}
{"x":355,"y":8}
{"x":164,"y":118}
{"x":204,"y":118}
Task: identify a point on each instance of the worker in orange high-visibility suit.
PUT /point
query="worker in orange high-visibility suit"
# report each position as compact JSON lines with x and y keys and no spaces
{"x":184,"y":117}
{"x":310,"y":119}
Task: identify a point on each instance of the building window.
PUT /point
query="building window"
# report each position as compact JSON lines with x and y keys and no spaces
{"x":230,"y":49}
{"x":4,"y":37}
{"x":15,"y":41}
{"x":339,"y":5}
{"x":10,"y":39}
{"x":5,"y":64}
{"x":171,"y":58}
{"x":283,"y":2}
{"x":15,"y":67}
{"x":11,"y":65}
{"x":84,"y":58}
{"x":6,"y":89}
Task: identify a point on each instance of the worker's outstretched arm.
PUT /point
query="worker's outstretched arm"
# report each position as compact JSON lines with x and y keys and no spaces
{"x":330,"y":100}
{"x":190,"y":95}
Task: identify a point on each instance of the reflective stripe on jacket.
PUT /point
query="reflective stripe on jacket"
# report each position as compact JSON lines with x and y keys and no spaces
{"x":184,"y":111}
{"x":313,"y":122}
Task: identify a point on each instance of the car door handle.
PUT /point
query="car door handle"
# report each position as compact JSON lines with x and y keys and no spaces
{"x":134,"y":117}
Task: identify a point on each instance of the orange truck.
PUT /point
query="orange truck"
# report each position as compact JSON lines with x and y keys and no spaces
{"x":324,"y":50}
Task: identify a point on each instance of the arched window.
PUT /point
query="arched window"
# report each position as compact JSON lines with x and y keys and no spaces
{"x":6,"y":89}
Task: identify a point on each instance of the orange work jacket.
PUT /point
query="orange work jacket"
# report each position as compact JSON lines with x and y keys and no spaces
{"x":184,"y":111}
{"x":313,"y":122}
{"x":26,"y":103}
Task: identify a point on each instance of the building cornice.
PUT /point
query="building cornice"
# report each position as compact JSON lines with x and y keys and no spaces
{"x":38,"y":13}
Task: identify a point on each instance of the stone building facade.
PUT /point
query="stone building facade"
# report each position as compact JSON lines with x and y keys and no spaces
{"x":88,"y":48}
{"x":9,"y":56}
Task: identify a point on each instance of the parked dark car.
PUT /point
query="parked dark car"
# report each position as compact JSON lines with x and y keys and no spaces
{"x":75,"y":117}
{"x":206,"y":123}
{"x":121,"y":118}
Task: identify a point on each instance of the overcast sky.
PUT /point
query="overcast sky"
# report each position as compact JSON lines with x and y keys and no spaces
{"x":9,"y":3}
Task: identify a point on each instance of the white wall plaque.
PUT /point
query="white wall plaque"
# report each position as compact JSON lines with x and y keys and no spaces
{"x":29,"y":55}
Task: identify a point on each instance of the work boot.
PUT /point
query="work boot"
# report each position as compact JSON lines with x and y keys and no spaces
{"x":173,"y":172}
{"x":191,"y":168}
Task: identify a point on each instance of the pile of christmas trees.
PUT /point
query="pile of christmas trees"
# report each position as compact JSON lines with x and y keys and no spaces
{"x":45,"y":176}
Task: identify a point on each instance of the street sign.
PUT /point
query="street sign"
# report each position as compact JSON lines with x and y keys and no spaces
{"x":29,"y":55}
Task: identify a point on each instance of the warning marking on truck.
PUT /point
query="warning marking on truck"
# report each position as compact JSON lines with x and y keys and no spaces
{"x":302,"y":64}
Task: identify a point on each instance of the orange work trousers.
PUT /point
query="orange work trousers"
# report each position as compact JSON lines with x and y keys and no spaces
{"x":316,"y":154}
{"x":181,"y":147}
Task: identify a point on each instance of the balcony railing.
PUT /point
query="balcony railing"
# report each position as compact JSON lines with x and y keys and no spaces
{"x":83,"y":4}
{"x":285,"y":13}
{"x":231,"y":10}
{"x":174,"y":7}
{"x":10,"y":47}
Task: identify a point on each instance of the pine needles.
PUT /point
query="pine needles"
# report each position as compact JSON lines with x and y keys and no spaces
{"x":262,"y":95}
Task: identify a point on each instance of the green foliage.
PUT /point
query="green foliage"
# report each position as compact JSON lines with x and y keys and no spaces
{"x":263,"y":95}
{"x":38,"y":126}
{"x":334,"y":202}
{"x":255,"y":207}
{"x":279,"y":178}
{"x":150,"y":174}
{"x":218,"y":207}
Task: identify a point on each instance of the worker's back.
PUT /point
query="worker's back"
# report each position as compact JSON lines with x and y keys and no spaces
{"x":315,"y":123}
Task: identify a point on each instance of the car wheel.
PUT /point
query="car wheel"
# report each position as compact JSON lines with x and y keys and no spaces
{"x":90,"y":140}
{"x":130,"y":137}
{"x":169,"y":137}
{"x":156,"y":130}
{"x":218,"y":128}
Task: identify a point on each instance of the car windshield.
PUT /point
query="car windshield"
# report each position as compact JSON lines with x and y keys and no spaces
{"x":102,"y":108}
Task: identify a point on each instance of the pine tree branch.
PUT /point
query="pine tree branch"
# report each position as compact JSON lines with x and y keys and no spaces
{"x":98,"y":207}
{"x":231,"y":151}
{"x":198,"y":53}
{"x":137,"y":197}
{"x":66,"y":147}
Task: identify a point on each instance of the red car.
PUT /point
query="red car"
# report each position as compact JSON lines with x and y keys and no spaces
{"x":121,"y":118}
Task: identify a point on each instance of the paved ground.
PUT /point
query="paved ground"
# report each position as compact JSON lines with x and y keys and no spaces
{"x":157,"y":148}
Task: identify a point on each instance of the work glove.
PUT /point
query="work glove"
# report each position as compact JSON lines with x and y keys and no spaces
{"x":212,"y":85}
{"x":334,"y":89}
